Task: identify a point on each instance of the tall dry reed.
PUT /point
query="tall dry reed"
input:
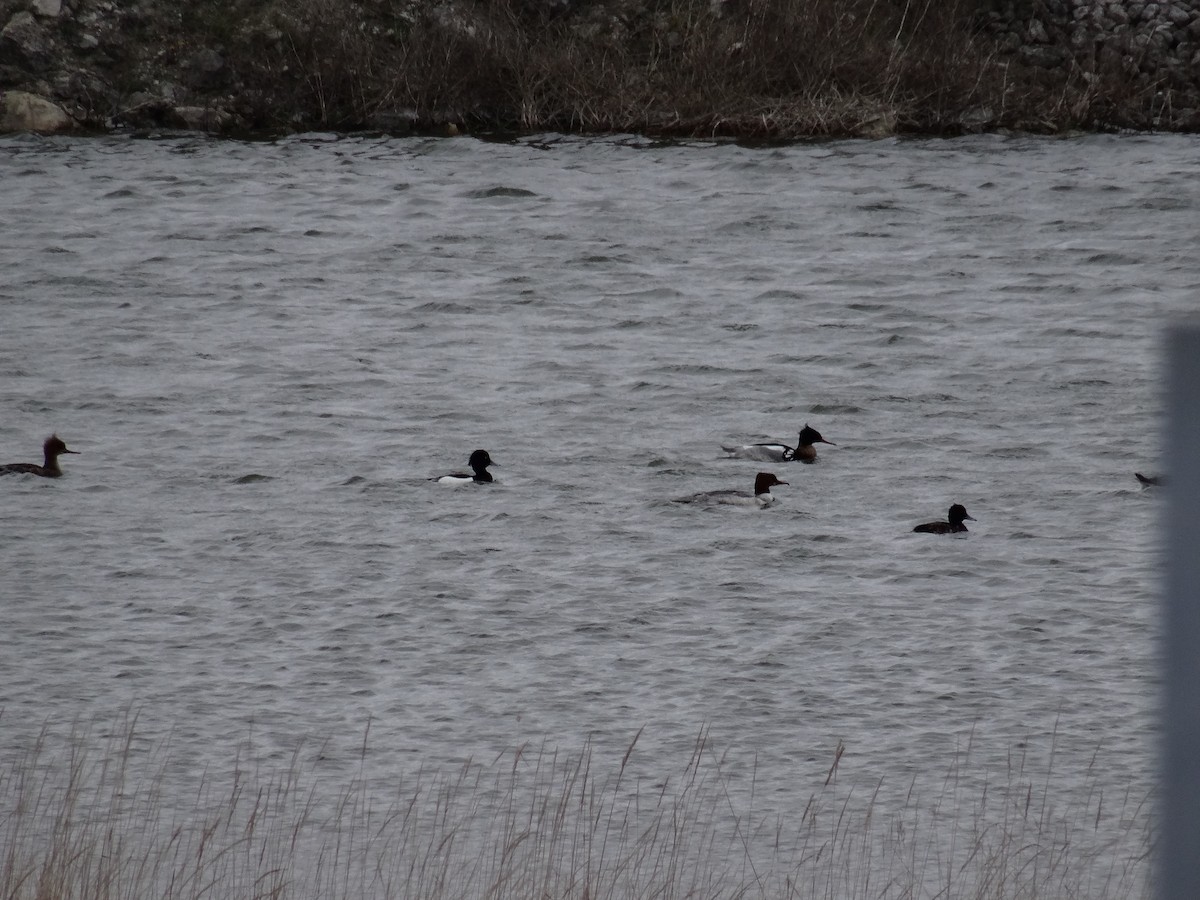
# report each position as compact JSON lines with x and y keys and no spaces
{"x":84,"y":816}
{"x":746,"y":68}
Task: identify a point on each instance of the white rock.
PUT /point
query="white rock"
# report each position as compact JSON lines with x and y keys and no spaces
{"x":21,"y":111}
{"x":47,"y":9}
{"x":201,"y":118}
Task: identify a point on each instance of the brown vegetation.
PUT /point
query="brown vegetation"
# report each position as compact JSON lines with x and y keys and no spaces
{"x":754,"y":68}
{"x":90,"y":818}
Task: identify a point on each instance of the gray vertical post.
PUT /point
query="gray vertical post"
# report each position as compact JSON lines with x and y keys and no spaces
{"x":1180,"y":805}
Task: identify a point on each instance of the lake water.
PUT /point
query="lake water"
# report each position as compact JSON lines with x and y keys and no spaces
{"x":263,"y":351}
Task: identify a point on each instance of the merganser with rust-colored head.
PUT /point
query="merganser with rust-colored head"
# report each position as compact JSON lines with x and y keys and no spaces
{"x":804,"y":451}
{"x":763,"y":482}
{"x":52,"y":449}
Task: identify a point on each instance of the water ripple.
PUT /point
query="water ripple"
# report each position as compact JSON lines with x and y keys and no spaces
{"x":263,"y":365}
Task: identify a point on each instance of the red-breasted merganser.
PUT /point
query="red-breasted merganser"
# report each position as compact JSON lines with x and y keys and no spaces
{"x":762,"y":496}
{"x":1148,"y":480}
{"x":804,"y":451}
{"x":52,"y":450}
{"x":479,"y":463}
{"x":957,"y":514}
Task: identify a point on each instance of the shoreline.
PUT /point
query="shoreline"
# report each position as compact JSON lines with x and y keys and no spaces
{"x":741,"y":69}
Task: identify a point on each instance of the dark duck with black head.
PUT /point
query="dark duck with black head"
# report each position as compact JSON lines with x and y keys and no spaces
{"x":52,"y":449}
{"x":957,"y":515}
{"x":479,"y":462}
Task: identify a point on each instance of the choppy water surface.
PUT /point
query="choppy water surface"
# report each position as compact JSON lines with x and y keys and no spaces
{"x":263,"y":351}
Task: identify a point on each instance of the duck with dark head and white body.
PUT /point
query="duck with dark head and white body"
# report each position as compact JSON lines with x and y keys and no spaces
{"x":762,"y":496}
{"x":804,"y":451}
{"x":479,"y":474}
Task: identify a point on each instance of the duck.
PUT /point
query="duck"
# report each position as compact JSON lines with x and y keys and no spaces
{"x":762,"y":496}
{"x":479,"y":462}
{"x":52,"y":449}
{"x":1149,"y":480}
{"x":958,"y":513}
{"x":804,"y":451}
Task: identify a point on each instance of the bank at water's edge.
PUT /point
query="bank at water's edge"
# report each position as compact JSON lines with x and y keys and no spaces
{"x":739,"y":68}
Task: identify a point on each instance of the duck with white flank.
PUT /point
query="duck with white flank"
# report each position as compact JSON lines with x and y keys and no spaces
{"x":957,"y":514}
{"x":52,"y":449}
{"x":804,"y":451}
{"x":763,"y":482}
{"x":479,"y":462}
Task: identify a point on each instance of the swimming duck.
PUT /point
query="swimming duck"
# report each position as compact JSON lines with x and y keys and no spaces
{"x":52,"y":449}
{"x":763,"y":482}
{"x":1149,"y":480}
{"x":957,"y":514}
{"x":804,"y":451}
{"x":479,"y":463}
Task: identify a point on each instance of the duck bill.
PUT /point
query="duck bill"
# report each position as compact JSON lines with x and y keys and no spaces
{"x":823,"y":441}
{"x":76,"y":452}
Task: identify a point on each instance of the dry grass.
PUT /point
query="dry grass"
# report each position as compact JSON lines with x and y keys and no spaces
{"x":762,"y":69}
{"x":105,"y":818}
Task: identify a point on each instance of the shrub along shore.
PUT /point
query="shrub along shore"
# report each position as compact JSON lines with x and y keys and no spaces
{"x":775,"y":69}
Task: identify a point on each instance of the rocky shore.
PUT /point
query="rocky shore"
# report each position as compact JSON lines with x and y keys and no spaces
{"x":273,"y":66}
{"x":1154,"y":45}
